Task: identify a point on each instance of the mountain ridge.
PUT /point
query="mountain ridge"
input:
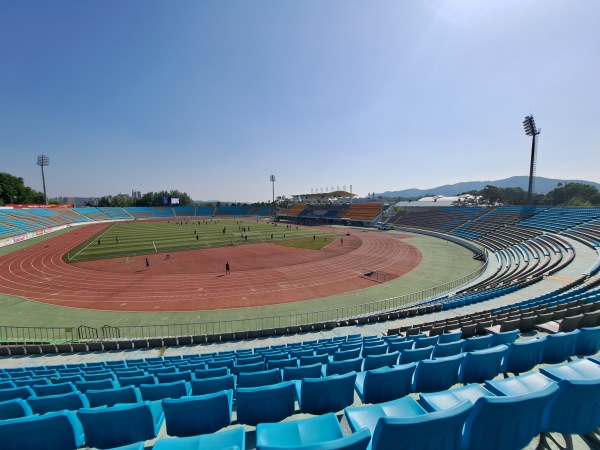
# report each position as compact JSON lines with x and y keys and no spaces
{"x":542,"y":186}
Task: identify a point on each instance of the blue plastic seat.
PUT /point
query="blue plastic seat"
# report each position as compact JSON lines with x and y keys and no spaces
{"x":185,"y":375}
{"x":573,"y":409}
{"x":254,"y":367}
{"x":384,"y":384}
{"x":403,"y":423}
{"x":315,"y":433}
{"x":301,"y":372}
{"x":233,"y":439}
{"x":505,"y":337}
{"x":212,"y":385}
{"x":416,"y":354}
{"x":281,"y":363}
{"x":41,"y":390}
{"x":121,"y":424}
{"x":176,"y":389}
{"x":506,"y":422}
{"x":136,"y":381}
{"x":400,"y":346}
{"x":581,"y":369}
{"x":559,"y":347}
{"x":228,"y":363}
{"x":110,"y":397}
{"x":262,"y":378}
{"x":481,"y":365}
{"x":22,"y":392}
{"x":453,"y":336}
{"x":426,"y":341}
{"x":84,"y":386}
{"x":329,"y":394}
{"x":588,"y":341}
{"x":15,"y":408}
{"x":322,"y":358}
{"x":50,"y":403}
{"x":211,"y":373}
{"x":372,"y":362}
{"x":442,"y":350}
{"x":439,"y":401}
{"x":108,"y":375}
{"x":477,"y":343}
{"x":266,"y":403}
{"x":523,"y":356}
{"x":369,"y":350}
{"x":342,"y":367}
{"x":53,"y":431}
{"x":344,"y":355}
{"x":432,"y":375}
{"x":198,"y":414}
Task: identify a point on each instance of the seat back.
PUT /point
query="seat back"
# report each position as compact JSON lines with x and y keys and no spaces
{"x":12,"y":409}
{"x":211,"y":373}
{"x":504,"y":337}
{"x":22,"y":392}
{"x":212,"y":385}
{"x":574,"y":409}
{"x":590,"y":319}
{"x":271,"y":403}
{"x":588,"y":341}
{"x":374,"y":349}
{"x":477,"y":343}
{"x":433,"y":375}
{"x":447,"y":349}
{"x":281,"y":363}
{"x":450,"y":337}
{"x":53,"y":431}
{"x":345,"y":355}
{"x":342,"y":367}
{"x":301,"y":372}
{"x":523,"y":356}
{"x":570,"y":323}
{"x":136,"y":381}
{"x":110,"y":397}
{"x":262,"y":378}
{"x":388,"y":383}
{"x":440,"y":430}
{"x":50,"y":403}
{"x":376,"y":361}
{"x":53,"y":389}
{"x":328,"y":394}
{"x":506,"y":422}
{"x":559,"y":347}
{"x":482,"y":365}
{"x":84,"y":386}
{"x":121,"y":424}
{"x":426,"y":341}
{"x":154,"y":392}
{"x":321,"y":358}
{"x":416,"y":355}
{"x":198,"y":414}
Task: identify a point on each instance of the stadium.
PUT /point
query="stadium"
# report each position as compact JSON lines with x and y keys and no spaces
{"x":438,"y":310}
{"x":191,"y":272}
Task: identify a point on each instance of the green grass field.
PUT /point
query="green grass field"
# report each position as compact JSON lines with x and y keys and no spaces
{"x":139,"y":237}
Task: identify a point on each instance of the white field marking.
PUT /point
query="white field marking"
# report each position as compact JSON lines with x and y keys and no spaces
{"x":75,"y":255}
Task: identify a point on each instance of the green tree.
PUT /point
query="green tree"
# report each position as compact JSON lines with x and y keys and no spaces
{"x":13,"y":190}
{"x":573,"y":194}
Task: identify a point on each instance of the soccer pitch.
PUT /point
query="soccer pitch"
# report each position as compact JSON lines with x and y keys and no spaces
{"x":124,"y":239}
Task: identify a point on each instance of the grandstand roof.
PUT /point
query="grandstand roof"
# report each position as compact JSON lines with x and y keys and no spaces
{"x":323,"y":196}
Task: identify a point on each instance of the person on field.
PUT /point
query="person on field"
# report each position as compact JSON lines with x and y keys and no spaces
{"x":227,"y":271}
{"x":147,"y":264}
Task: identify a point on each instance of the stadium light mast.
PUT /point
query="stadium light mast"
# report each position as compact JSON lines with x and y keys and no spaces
{"x":272,"y":180}
{"x":531,"y":130}
{"x":43,"y":160}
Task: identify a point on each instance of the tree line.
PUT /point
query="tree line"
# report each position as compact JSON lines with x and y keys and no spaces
{"x":570,"y":194}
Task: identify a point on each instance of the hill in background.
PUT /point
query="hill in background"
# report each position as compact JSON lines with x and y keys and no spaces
{"x":542,"y":186}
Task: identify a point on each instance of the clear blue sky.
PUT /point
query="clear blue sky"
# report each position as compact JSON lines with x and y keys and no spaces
{"x":212,"y":97}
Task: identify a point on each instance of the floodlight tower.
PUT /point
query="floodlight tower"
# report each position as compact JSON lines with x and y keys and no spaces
{"x":42,"y":161}
{"x":531,"y":130}
{"x":272,"y":180}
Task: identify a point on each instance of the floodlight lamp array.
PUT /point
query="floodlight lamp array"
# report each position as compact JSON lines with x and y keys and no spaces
{"x":529,"y":125}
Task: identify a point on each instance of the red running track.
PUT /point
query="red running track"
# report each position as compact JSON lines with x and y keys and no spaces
{"x":262,"y":274}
